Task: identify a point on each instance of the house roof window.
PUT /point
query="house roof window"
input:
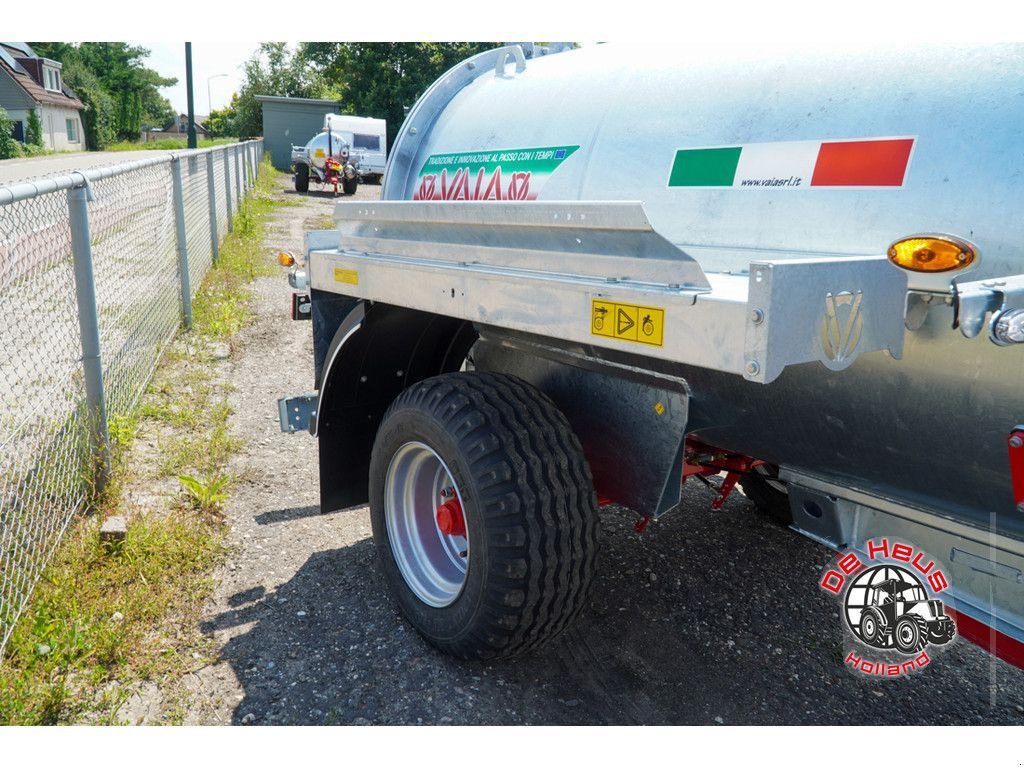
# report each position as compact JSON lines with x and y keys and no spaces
{"x":51,"y":78}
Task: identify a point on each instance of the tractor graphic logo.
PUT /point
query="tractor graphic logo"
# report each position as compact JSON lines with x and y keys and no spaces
{"x":887,"y":607}
{"x":890,"y":606}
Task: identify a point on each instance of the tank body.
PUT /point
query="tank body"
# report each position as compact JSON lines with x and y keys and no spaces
{"x":611,"y":123}
{"x":324,"y":144}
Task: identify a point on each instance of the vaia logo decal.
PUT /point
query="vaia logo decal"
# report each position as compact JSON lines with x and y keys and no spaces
{"x":504,"y":174}
{"x":890,"y":607}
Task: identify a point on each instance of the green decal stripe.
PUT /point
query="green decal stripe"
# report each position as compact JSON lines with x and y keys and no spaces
{"x":537,"y":160}
{"x":705,"y":167}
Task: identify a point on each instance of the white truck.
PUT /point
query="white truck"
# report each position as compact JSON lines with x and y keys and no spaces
{"x":811,"y":277}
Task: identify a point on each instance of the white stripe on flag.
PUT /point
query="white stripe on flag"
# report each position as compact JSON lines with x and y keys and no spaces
{"x":778,"y":160}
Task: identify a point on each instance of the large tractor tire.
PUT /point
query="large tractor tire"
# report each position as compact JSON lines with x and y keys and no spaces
{"x":484,"y":514}
{"x":910,"y":634}
{"x":872,"y":628}
{"x":302,"y":178}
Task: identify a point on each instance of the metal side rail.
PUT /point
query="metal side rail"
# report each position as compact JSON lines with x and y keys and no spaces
{"x":597,"y":273}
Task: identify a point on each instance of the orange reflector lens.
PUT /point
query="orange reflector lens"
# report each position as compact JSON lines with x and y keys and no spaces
{"x":285,"y":259}
{"x":932,"y":253}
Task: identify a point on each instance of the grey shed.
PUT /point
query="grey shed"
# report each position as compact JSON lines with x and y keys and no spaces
{"x":288,"y":121}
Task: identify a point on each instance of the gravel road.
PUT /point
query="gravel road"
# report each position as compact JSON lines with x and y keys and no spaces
{"x":708,"y":617}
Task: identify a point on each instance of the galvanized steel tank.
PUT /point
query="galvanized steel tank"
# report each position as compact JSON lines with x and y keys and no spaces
{"x":928,"y":430}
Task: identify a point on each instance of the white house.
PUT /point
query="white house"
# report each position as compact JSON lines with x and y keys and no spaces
{"x":28,"y":82}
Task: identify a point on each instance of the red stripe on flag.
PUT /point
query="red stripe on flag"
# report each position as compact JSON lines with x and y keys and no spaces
{"x":878,"y":163}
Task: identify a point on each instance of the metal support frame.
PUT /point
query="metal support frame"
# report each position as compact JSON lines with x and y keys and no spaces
{"x":88,"y":323}
{"x":211,"y":190}
{"x":227,"y":188}
{"x":589,"y":271}
{"x":179,"y":226}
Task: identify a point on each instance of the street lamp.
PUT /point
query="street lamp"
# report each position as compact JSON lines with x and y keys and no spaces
{"x":209,"y":101}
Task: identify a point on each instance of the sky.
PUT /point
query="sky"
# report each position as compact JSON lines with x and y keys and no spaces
{"x":208,"y":61}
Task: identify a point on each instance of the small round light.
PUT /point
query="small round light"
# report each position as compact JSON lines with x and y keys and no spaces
{"x":285,"y":259}
{"x":932,"y":253}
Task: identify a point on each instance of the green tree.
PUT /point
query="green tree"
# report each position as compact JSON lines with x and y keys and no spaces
{"x":131,"y":87}
{"x":99,"y":118}
{"x":224,"y":122}
{"x":8,"y":146}
{"x":273,"y":70}
{"x":34,"y":129}
{"x":384,"y":79}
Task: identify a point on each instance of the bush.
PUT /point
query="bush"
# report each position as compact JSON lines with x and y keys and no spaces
{"x":34,"y":130}
{"x":9,"y":147}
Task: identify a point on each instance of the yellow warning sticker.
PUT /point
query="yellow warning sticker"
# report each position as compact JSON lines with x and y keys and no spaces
{"x":346,"y":276}
{"x":628,"y":322}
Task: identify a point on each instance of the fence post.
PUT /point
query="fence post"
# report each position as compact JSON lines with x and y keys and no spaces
{"x":211,"y":193}
{"x":179,"y":226}
{"x":227,"y":186}
{"x":247,"y":171}
{"x":239,"y":193}
{"x":89,"y":328}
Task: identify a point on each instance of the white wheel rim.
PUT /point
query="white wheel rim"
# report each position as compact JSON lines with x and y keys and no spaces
{"x":434,"y":564}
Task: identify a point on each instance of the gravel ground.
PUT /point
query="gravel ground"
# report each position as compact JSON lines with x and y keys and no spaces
{"x":708,"y":617}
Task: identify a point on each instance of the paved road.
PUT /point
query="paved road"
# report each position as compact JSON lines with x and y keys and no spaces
{"x":22,"y":169}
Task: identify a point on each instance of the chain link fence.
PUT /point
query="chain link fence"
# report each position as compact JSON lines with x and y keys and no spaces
{"x":97,"y":272}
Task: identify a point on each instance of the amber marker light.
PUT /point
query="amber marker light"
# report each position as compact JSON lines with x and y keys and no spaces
{"x":932,"y":253}
{"x":285,"y":259}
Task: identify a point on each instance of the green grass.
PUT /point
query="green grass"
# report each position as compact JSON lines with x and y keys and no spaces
{"x":104,"y":618}
{"x":131,"y":146}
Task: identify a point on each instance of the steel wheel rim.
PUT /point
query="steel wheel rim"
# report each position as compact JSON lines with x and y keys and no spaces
{"x":906,"y":634}
{"x":869,"y":627}
{"x":430,"y":561}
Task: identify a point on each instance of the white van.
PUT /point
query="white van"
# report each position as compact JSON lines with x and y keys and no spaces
{"x":367,"y":137}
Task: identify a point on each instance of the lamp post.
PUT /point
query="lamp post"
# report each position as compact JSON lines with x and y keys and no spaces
{"x":209,"y":101}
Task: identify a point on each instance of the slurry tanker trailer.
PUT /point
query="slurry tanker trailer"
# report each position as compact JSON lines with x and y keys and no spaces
{"x":594,"y":274}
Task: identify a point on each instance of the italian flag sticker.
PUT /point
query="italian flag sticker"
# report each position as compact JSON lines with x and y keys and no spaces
{"x":795,"y":164}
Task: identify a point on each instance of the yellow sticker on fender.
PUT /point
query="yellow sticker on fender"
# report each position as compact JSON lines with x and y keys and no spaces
{"x":346,"y":276}
{"x":628,"y":322}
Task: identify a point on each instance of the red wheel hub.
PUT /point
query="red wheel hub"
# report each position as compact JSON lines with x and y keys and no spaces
{"x":450,"y":519}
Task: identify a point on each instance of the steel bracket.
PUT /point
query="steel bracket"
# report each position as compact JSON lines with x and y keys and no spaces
{"x":297,"y":412}
{"x":829,"y":310}
{"x":974,"y":300}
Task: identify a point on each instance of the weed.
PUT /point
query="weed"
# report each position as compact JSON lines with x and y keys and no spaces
{"x":205,"y":495}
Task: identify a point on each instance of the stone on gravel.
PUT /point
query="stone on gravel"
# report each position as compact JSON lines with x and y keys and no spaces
{"x":249,"y":719}
{"x":220,"y":351}
{"x":113,"y":530}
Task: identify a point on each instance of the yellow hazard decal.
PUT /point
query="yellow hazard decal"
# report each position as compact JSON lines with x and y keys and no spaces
{"x":346,"y":276}
{"x":628,"y":322}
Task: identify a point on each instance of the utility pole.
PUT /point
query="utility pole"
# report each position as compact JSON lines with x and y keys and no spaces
{"x":191,"y":105}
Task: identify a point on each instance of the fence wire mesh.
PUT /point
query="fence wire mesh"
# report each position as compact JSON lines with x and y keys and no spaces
{"x":47,"y":466}
{"x":197,"y":218}
{"x":220,"y":166}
